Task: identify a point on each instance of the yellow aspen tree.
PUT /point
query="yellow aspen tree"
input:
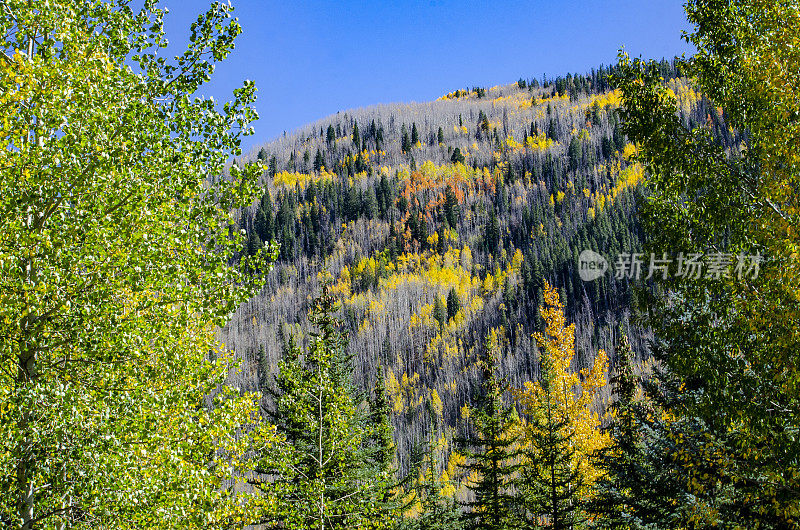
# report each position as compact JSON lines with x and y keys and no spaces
{"x":563,"y":426}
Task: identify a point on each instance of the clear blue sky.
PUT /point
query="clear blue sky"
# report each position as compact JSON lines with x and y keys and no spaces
{"x":310,"y":59}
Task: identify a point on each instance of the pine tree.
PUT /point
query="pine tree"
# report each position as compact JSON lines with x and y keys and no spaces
{"x":263,"y":224}
{"x":370,"y":203}
{"x":273,"y":166}
{"x":457,"y":156}
{"x":453,"y":304}
{"x":405,"y":142}
{"x":382,"y":431}
{"x":451,"y":207}
{"x":492,"y":451}
{"x":492,"y":233}
{"x":333,"y":465}
{"x":319,"y":161}
{"x":254,"y":243}
{"x":575,"y":152}
{"x":551,"y":129}
{"x":483,"y":122}
{"x":440,"y":136}
{"x":381,"y":453}
{"x":352,"y":205}
{"x":356,"y":136}
{"x":414,"y":134}
{"x":621,"y":487}
{"x":551,"y":479}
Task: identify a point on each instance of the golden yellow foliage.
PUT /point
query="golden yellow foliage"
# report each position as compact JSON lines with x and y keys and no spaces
{"x":628,"y":151}
{"x":572,"y":392}
{"x":512,"y":144}
{"x":609,"y":99}
{"x":436,"y":402}
{"x":539,"y":143}
{"x":293,"y":179}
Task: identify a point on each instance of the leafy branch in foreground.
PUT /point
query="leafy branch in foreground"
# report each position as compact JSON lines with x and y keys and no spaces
{"x":115,"y":269}
{"x":727,"y":350}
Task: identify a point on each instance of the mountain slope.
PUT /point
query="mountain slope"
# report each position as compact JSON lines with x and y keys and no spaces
{"x":438,"y":222}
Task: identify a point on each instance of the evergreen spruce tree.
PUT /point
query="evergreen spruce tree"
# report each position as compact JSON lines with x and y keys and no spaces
{"x":263,"y":221}
{"x":484,"y":123}
{"x":492,"y":452}
{"x":254,"y":243}
{"x":550,"y":480}
{"x":356,"y":136}
{"x":381,"y":433}
{"x":381,"y":452}
{"x":273,"y":166}
{"x":453,"y":303}
{"x":379,"y":139}
{"x":551,"y":129}
{"x":405,"y":142}
{"x":492,"y":233}
{"x":319,"y":161}
{"x":333,"y":469}
{"x":451,"y":206}
{"x":627,"y":483}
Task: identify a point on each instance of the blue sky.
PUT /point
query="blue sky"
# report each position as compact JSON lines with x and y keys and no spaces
{"x":310,"y":59}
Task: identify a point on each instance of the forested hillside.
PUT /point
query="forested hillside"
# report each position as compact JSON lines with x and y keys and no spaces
{"x":437,"y":224}
{"x":551,"y":304}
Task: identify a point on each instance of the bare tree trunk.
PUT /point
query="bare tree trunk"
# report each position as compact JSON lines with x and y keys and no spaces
{"x":26,"y":377}
{"x":322,"y":489}
{"x":25,"y":485}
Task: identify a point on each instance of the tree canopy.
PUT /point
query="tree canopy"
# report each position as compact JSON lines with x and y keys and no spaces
{"x":117,"y":263}
{"x":728,"y":342}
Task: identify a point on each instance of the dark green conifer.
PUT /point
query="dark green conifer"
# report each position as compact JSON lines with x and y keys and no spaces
{"x":453,"y":303}
{"x":492,"y":452}
{"x":405,"y":141}
{"x":335,"y":470}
